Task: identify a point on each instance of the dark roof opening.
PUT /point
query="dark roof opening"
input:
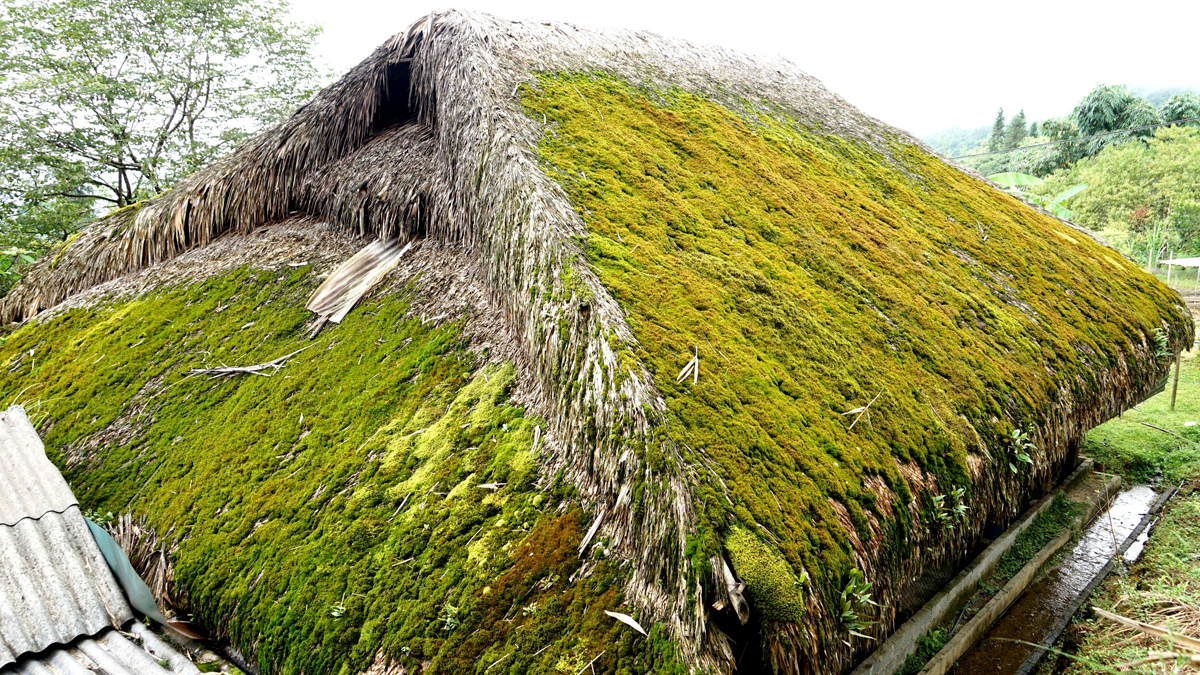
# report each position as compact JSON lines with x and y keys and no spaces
{"x":395,"y":105}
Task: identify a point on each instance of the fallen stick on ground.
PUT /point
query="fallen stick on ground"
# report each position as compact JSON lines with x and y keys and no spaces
{"x":1165,"y":431}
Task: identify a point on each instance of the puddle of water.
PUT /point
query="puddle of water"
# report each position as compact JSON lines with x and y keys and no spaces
{"x":1135,"y":549}
{"x":1033,"y":617}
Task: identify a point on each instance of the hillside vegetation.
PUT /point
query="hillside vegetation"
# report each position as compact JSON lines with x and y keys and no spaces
{"x":1141,"y":195}
{"x":1138,"y":188}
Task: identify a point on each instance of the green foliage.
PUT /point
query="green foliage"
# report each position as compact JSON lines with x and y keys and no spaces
{"x":1014,"y":182}
{"x":1111,"y":108}
{"x":949,"y":512}
{"x":104,"y":104}
{"x":1019,"y":449}
{"x":1162,"y":349}
{"x":927,"y":646}
{"x":998,"y":137}
{"x":101,"y":518}
{"x":1134,"y":186}
{"x":1045,"y":527}
{"x":331,"y":510}
{"x":775,"y":591}
{"x":12,"y":259}
{"x":1180,"y":107}
{"x":1102,"y":109}
{"x":1014,"y":179}
{"x":1064,"y":153}
{"x":1017,"y":131}
{"x":854,"y":603}
{"x":775,"y":253}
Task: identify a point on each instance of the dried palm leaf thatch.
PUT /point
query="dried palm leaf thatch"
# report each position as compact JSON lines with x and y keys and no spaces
{"x":150,"y":556}
{"x":347,"y":285}
{"x":427,"y":139}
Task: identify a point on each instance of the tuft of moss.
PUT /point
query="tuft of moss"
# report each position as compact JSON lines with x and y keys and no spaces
{"x":775,"y":591}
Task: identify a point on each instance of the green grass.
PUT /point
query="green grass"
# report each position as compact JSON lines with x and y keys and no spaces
{"x":1140,"y":453}
{"x":1045,"y":527}
{"x":927,"y":647}
{"x":1163,"y":586}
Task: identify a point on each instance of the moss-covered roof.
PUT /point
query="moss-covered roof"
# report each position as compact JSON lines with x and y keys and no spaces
{"x":676,"y":320}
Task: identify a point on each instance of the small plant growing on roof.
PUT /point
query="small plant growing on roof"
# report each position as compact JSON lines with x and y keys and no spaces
{"x":102,"y":519}
{"x":1162,"y":347}
{"x":948,"y":512}
{"x":337,"y":611}
{"x":856,"y":598}
{"x":1019,"y":448}
{"x":450,"y":618}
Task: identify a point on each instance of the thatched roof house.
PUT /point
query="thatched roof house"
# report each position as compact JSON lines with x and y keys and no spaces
{"x":679,"y":335}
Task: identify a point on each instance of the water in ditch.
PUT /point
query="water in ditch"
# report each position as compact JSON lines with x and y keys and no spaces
{"x":1037,"y":614}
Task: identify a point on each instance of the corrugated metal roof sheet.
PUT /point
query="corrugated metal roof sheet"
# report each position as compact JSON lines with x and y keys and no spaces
{"x":54,"y":584}
{"x":111,"y":653}
{"x":31,"y":485}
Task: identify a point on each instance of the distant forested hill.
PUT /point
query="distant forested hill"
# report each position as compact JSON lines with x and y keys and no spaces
{"x":956,"y":141}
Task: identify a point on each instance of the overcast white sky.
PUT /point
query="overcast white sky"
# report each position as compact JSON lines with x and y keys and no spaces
{"x":921,"y":65}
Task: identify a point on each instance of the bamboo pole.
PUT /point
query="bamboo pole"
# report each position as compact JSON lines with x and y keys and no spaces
{"x":1175,"y":384}
{"x":1150,"y":248}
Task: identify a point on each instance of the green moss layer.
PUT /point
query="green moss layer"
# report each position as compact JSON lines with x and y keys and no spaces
{"x":811,"y":274}
{"x":775,"y":590}
{"x":331,"y":510}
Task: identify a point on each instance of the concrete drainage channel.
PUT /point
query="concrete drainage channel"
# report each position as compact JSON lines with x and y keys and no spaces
{"x":984,"y":644}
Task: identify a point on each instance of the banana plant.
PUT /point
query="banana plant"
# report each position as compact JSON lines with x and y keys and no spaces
{"x":1014,"y":182}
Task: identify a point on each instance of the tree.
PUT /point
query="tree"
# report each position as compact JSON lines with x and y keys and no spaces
{"x":109,"y":103}
{"x":996,"y":140}
{"x":1181,"y":107}
{"x":1102,"y":109}
{"x":1157,"y":176}
{"x":1016,"y":131}
{"x":1034,"y":131}
{"x":1112,"y":108}
{"x":1065,"y":152}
